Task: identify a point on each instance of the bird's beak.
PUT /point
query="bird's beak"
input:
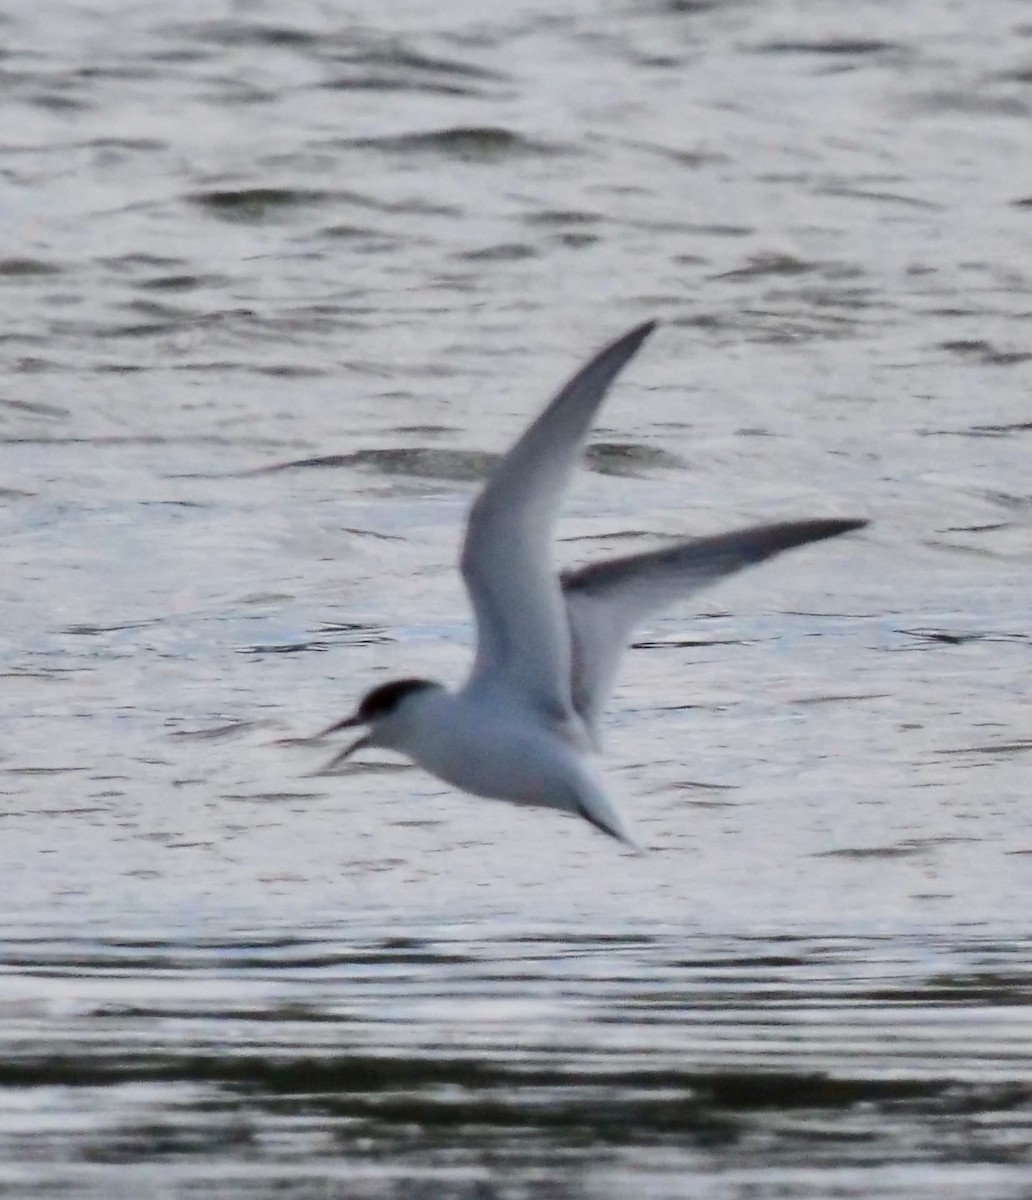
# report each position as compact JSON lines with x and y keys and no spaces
{"x":347,"y":752}
{"x":352,"y":722}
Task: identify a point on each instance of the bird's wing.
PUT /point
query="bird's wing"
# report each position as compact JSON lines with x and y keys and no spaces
{"x":523,"y":640}
{"x":604,"y":601}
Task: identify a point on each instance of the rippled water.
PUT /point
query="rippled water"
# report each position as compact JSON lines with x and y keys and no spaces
{"x":485,"y":1060}
{"x":277,"y":284}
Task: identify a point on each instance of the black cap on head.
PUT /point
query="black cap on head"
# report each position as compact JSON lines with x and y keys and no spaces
{"x":385,"y":699}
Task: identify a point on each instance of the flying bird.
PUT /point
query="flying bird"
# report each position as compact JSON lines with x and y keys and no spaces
{"x":526,"y":721}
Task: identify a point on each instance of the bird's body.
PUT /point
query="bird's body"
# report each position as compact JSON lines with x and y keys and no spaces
{"x":478,"y":740}
{"x":523,"y":725}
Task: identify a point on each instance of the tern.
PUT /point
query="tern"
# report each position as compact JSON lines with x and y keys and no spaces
{"x":525,"y":723}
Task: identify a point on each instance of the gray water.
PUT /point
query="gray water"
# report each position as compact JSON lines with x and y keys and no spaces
{"x":277,"y":282}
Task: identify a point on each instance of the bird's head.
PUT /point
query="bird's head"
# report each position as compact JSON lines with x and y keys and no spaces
{"x":386,"y":713}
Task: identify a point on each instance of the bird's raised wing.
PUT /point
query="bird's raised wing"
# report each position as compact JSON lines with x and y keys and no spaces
{"x":523,"y":639}
{"x":605,"y":600}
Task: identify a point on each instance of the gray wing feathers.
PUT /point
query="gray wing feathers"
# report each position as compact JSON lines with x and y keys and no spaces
{"x":605,"y":600}
{"x":525,"y":638}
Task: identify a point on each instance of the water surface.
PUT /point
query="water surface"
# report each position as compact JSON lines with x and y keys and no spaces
{"x":277,"y":286}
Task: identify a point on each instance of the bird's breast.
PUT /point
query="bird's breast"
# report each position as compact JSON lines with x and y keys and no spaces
{"x":503,"y":758}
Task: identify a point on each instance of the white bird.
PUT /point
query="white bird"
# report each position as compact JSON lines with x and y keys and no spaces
{"x":522,"y":726}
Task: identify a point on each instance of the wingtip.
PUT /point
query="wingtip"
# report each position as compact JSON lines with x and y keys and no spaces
{"x":852,"y":524}
{"x":791,"y":534}
{"x":816,"y":529}
{"x":640,"y":332}
{"x":627,"y":345}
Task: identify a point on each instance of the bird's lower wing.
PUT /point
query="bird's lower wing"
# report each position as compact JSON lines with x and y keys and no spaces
{"x":523,"y":640}
{"x":604,"y":601}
